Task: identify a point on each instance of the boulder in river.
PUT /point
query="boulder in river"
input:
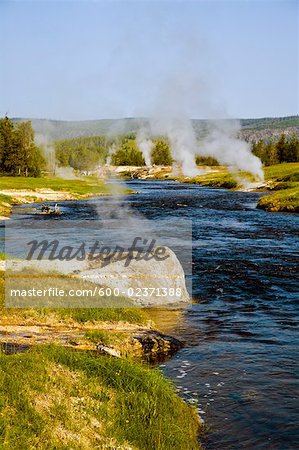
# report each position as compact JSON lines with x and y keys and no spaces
{"x":149,"y":282}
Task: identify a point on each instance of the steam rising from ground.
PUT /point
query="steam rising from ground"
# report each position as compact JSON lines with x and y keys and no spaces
{"x":48,"y":149}
{"x":67,"y":173}
{"x":111,"y":150}
{"x":189,"y":88}
{"x":222,"y":144}
{"x":145,"y":144}
{"x":182,"y":140}
{"x":218,"y":139}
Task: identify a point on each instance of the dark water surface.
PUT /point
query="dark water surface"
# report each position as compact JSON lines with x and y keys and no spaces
{"x":241,"y":360}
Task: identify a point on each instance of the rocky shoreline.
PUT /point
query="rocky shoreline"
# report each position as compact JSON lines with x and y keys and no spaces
{"x":138,"y":342}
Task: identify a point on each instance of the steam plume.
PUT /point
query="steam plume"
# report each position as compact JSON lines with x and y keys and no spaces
{"x":219,"y":138}
{"x":145,"y":145}
{"x":222,"y":143}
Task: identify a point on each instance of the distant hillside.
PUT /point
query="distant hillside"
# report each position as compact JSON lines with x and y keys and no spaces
{"x":269,"y":128}
{"x":252,"y":129}
{"x":62,"y":129}
{"x":270,"y":122}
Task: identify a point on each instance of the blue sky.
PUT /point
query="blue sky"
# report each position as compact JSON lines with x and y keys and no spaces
{"x":85,"y":59}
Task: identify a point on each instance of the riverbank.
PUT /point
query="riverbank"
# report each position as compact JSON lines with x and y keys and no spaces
{"x":282,"y":180}
{"x":123,"y":402}
{"x":57,"y":398}
{"x":284,"y":185}
{"x":19,"y":190}
{"x":92,"y":386}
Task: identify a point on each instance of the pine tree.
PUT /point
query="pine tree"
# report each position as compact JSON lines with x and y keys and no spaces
{"x":282,"y":147}
{"x":293,"y":149}
{"x":6,"y":141}
{"x":18,"y":153}
{"x":161,"y":154}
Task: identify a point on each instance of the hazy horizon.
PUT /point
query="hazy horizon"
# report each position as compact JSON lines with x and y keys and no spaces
{"x":146,"y":118}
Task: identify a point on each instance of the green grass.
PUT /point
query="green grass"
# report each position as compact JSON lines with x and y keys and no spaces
{"x":105,"y":337}
{"x":80,"y":315}
{"x":286,"y":200}
{"x":53,"y":398}
{"x":56,"y":398}
{"x":4,"y":198}
{"x":5,"y":202}
{"x":285,"y":179}
{"x":282,"y":172}
{"x":220,"y":178}
{"x":217,"y":179}
{"x":81,"y":187}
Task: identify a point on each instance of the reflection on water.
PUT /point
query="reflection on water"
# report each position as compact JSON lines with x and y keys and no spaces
{"x":240,"y":363}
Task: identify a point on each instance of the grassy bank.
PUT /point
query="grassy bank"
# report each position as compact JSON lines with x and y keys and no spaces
{"x":76,"y":186}
{"x":286,"y":200}
{"x":284,"y":179}
{"x":54,"y":397}
{"x":221,"y":178}
{"x":5,"y":205}
{"x":80,"y":401}
{"x":16,"y":190}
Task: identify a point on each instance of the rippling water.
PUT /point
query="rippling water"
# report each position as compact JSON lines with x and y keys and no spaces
{"x":241,"y":359}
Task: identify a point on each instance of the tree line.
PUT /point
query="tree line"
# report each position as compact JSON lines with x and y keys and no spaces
{"x":19,"y":155}
{"x":86,"y":153}
{"x":283,"y":150}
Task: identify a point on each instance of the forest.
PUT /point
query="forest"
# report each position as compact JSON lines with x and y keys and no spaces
{"x":283,"y":150}
{"x":85,"y":153}
{"x":19,"y":155}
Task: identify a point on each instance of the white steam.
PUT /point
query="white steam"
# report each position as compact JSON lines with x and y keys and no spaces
{"x":189,"y":88}
{"x":67,"y":173}
{"x":182,"y":140}
{"x":222,"y":144}
{"x":145,"y":144}
{"x":48,"y":149}
{"x":111,"y":150}
{"x":218,"y":138}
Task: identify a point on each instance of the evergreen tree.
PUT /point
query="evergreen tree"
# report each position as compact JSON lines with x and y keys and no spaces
{"x":161,"y":154}
{"x":127,"y":154}
{"x":18,"y":153}
{"x":84,"y":159}
{"x":270,"y":155}
{"x":6,"y":141}
{"x":282,"y":147}
{"x":293,"y":149}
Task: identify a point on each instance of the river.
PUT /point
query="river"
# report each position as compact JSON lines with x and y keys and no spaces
{"x":240,"y":361}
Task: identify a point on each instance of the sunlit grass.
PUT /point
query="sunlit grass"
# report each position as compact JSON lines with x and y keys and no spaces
{"x":282,"y":172}
{"x":282,"y":200}
{"x":79,"y":314}
{"x":51,"y":397}
{"x":90,"y":185}
{"x":285,"y":179}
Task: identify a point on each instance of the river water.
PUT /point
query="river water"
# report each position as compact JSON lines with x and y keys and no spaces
{"x":240,"y":361}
